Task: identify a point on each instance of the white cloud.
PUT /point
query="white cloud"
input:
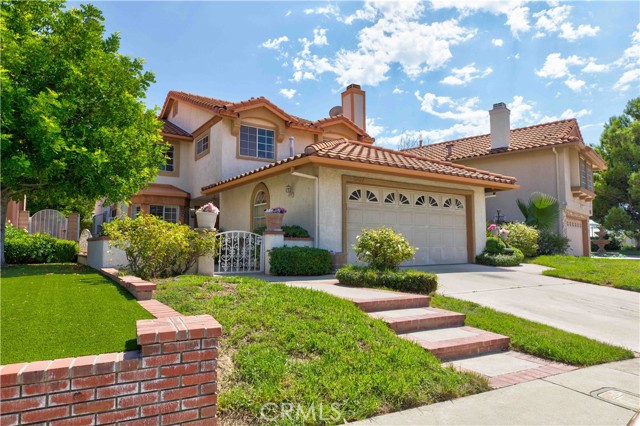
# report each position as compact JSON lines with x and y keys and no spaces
{"x":330,"y":10}
{"x":374,"y":129}
{"x":288,"y":93}
{"x":557,"y":67}
{"x":517,"y":15}
{"x":397,"y":37}
{"x":593,"y":67}
{"x":569,"y":113}
{"x":289,"y":12}
{"x":463,"y":76}
{"x":397,"y":91}
{"x":275,"y":43}
{"x":625,"y":81}
{"x":497,"y":42}
{"x":555,"y":20}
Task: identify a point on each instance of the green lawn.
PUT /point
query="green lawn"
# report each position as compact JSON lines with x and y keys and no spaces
{"x":535,"y":338}
{"x":310,"y":349}
{"x":63,"y":310}
{"x":618,"y":273}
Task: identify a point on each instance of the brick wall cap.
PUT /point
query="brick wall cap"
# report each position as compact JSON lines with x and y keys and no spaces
{"x":168,"y":329}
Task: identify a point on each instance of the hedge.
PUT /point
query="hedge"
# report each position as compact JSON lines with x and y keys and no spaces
{"x":289,"y":261}
{"x":503,"y":259}
{"x":290,"y":231}
{"x":409,"y":281}
{"x":21,"y":247}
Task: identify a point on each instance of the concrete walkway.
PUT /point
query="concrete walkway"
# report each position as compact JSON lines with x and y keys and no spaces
{"x":602,"y":313}
{"x":601,"y":395}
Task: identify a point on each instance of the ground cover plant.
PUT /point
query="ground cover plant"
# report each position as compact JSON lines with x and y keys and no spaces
{"x":59,"y":311}
{"x":283,"y":344}
{"x":409,"y":281}
{"x":618,"y":273}
{"x":534,"y":338}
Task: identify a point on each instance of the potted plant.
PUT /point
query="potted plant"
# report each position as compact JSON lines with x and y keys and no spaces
{"x":494,"y":229}
{"x":274,"y":218}
{"x":207,"y":216}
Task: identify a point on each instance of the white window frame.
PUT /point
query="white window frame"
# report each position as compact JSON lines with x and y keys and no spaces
{"x":202,"y":146}
{"x":257,"y":155}
{"x":169,"y":167}
{"x":167,"y":212}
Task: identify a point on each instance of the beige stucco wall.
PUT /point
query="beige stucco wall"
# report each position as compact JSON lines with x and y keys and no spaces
{"x":535,"y":171}
{"x":189,"y":117}
{"x":184,"y":178}
{"x":235,"y":204}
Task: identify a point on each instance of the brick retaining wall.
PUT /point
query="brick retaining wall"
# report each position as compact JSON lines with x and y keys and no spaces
{"x":171,"y":380}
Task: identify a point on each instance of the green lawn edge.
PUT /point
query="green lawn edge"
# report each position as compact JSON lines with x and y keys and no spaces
{"x":534,"y":338}
{"x":57,"y":311}
{"x":304,"y":347}
{"x":623,"y":274}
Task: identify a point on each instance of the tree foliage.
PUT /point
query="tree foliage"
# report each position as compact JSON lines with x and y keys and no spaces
{"x":618,"y":187}
{"x":540,"y":211}
{"x":74,"y":124}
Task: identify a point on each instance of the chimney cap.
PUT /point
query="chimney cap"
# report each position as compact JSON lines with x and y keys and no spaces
{"x":500,"y":105}
{"x":353,"y":86}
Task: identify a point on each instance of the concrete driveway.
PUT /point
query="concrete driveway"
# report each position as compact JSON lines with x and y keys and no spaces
{"x":602,"y":313}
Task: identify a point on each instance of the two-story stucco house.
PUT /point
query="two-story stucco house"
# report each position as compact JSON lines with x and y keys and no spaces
{"x":251,"y":155}
{"x":550,"y":158}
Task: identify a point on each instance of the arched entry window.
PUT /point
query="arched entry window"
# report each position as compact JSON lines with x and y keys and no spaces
{"x":259,"y":203}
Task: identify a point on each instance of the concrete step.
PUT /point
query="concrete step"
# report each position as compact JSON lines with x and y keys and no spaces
{"x":457,"y":342}
{"x":399,"y":301}
{"x":415,"y":319}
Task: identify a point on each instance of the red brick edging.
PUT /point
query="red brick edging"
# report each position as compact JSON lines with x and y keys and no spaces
{"x":141,"y":289}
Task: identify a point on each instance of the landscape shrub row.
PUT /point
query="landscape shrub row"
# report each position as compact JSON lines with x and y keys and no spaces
{"x":290,"y":261}
{"x":22,"y":247}
{"x":408,"y":281}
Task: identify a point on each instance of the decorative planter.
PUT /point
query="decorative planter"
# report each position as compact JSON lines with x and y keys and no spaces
{"x":206,"y":219}
{"x":274,"y":221}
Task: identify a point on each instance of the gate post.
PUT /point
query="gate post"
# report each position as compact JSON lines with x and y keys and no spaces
{"x":271,"y":239}
{"x":73,"y":227}
{"x":23,"y":219}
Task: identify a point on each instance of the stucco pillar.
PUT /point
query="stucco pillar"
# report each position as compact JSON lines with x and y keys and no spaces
{"x":271,"y":239}
{"x":73,"y":227}
{"x":23,"y":219}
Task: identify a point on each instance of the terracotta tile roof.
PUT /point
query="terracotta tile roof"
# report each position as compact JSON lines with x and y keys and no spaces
{"x":172,"y":129}
{"x":231,"y":109}
{"x":163,"y":189}
{"x":356,"y":152}
{"x":540,"y":135}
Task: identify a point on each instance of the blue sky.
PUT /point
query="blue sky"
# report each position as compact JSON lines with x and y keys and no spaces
{"x":430,"y":70}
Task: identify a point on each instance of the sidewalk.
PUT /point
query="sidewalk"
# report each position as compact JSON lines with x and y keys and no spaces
{"x":602,"y":395}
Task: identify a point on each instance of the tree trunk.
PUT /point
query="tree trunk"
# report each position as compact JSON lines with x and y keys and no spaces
{"x":4,"y":204}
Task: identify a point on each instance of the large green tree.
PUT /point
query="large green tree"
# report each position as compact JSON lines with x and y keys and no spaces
{"x":74,"y":124}
{"x":617,"y":204}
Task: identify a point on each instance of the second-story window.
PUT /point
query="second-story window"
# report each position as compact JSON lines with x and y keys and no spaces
{"x":256,"y":142}
{"x":202,"y":145}
{"x":170,"y":156}
{"x":586,"y":175}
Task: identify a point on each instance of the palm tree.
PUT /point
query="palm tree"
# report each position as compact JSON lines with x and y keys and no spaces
{"x":541,"y":211}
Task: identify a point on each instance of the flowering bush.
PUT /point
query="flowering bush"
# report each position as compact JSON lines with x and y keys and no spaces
{"x":209,"y":208}
{"x":383,"y":248}
{"x":523,"y":237}
{"x":155,"y":248}
{"x":280,"y":210}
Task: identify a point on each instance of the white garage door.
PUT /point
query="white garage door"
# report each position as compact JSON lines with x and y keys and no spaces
{"x":433,"y":222}
{"x":575,"y":235}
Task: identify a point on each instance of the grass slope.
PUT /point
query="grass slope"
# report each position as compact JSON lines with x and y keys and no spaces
{"x":310,"y":349}
{"x":618,"y":273}
{"x":534,"y":338}
{"x":59,"y":311}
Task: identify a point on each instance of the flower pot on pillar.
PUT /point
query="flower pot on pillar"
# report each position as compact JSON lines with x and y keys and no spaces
{"x":274,"y":221}
{"x":207,"y":216}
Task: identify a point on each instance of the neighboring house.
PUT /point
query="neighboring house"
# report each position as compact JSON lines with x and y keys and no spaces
{"x":550,"y":158}
{"x":249,"y":156}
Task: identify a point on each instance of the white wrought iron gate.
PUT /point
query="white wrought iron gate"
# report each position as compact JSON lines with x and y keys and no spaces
{"x":49,"y":221}
{"x":239,"y":251}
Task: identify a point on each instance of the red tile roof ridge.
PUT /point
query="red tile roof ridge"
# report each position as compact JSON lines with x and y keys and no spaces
{"x":182,"y":93}
{"x":568,"y":130}
{"x":334,"y":142}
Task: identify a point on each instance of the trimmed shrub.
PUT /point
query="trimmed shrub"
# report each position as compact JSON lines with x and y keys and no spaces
{"x":289,"y":261}
{"x":157,"y":249}
{"x":501,"y":259}
{"x":21,"y":247}
{"x":552,"y":243}
{"x":290,"y":231}
{"x":522,"y":237}
{"x":383,"y":248}
{"x":409,"y":281}
{"x":494,"y":245}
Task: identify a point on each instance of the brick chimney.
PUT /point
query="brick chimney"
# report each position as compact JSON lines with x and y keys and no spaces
{"x":354,"y":105}
{"x":500,"y":121}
